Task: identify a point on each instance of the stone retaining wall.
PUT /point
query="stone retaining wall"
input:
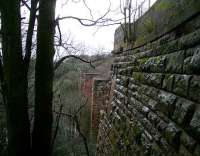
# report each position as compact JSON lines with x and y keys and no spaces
{"x":156,"y":100}
{"x":99,"y":103}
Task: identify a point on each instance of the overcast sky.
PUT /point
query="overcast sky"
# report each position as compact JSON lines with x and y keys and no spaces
{"x":93,"y":37}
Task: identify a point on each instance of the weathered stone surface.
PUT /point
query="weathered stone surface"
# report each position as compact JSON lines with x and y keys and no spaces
{"x":161,"y":126}
{"x":181,"y":83}
{"x":155,"y":105}
{"x":153,"y":79}
{"x":195,"y":124}
{"x":152,"y":104}
{"x":188,"y":142}
{"x":166,"y":102}
{"x":149,"y":91}
{"x":164,"y":146}
{"x":167,"y":48}
{"x":174,"y":62}
{"x":153,"y":118}
{"x":172,"y":135}
{"x":184,"y":152}
{"x":190,"y":40}
{"x":194,"y":90}
{"x":155,"y":150}
{"x":154,"y":64}
{"x":192,"y":63}
{"x":197,"y":150}
{"x":184,"y":110}
{"x":168,"y":82}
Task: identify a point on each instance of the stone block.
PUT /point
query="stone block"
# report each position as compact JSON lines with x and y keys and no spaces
{"x":145,"y":144}
{"x":154,"y":64}
{"x":190,"y":39}
{"x":137,"y":77}
{"x":174,"y":62}
{"x":166,"y":102}
{"x":147,"y":124}
{"x":197,"y":151}
{"x":129,"y":71}
{"x":168,"y":47}
{"x":188,"y":142}
{"x":149,"y":91}
{"x":155,"y":150}
{"x":172,"y":135}
{"x":132,"y":87}
{"x":153,"y":118}
{"x":152,"y":104}
{"x":122,"y":71}
{"x":192,"y":63}
{"x":184,"y":110}
{"x":161,"y":126}
{"x":195,"y":125}
{"x":194,"y":90}
{"x":168,"y":82}
{"x":153,"y":79}
{"x":181,"y":83}
{"x":145,"y":110}
{"x":184,"y":152}
{"x":164,"y":145}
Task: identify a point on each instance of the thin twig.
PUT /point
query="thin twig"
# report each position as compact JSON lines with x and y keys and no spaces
{"x":25,"y":4}
{"x":84,"y":2}
{"x":57,"y":123}
{"x":83,"y":21}
{"x":75,"y":118}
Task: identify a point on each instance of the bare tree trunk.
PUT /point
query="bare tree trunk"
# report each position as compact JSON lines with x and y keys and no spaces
{"x":42,"y":131}
{"x":28,"y":48}
{"x":15,"y":90}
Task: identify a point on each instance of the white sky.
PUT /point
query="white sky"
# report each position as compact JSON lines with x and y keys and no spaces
{"x":93,"y":38}
{"x":104,"y":37}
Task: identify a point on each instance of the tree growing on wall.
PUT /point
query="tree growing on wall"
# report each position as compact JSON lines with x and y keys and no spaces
{"x":132,"y":10}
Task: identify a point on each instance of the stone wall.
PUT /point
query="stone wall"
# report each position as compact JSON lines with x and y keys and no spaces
{"x":99,"y":103}
{"x":156,"y":100}
{"x":96,"y":90}
{"x":86,"y":85}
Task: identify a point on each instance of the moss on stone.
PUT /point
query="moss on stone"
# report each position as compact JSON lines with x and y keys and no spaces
{"x":149,"y":25}
{"x":143,"y":61}
{"x":137,"y":76}
{"x":164,"y":5}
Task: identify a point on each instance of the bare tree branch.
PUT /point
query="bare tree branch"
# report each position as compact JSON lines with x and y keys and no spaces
{"x":83,"y":21}
{"x":57,"y":124}
{"x":84,"y":2}
{"x":58,"y":63}
{"x":59,"y":31}
{"x":25,"y":4}
{"x":75,"y":118}
{"x":82,"y":135}
{"x":81,"y":107}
